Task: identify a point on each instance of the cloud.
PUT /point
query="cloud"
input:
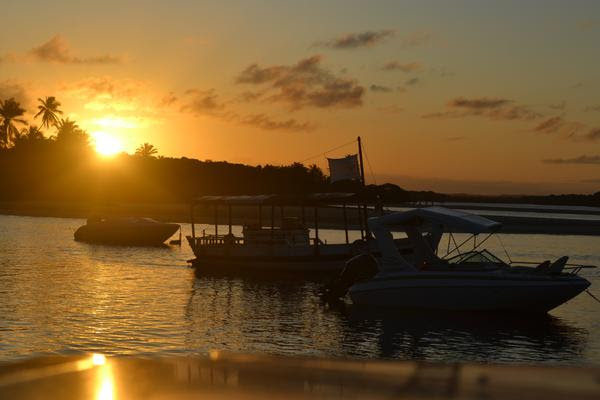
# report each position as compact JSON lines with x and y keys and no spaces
{"x":357,"y":40}
{"x":18,"y":90}
{"x":414,"y":66}
{"x":584,"y":159}
{"x":416,"y":39}
{"x":558,"y":106}
{"x":57,"y":50}
{"x":592,"y":109}
{"x":108,"y":93}
{"x":412,"y":81}
{"x":592,"y":135}
{"x":264,"y":122}
{"x":203,"y":102}
{"x":304,"y":84}
{"x":391,"y":109}
{"x":207,"y":103}
{"x":488,"y":107}
{"x":455,"y":138}
{"x":380,"y":88}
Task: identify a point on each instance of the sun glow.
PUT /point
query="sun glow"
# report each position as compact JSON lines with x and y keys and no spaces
{"x":107,"y":145}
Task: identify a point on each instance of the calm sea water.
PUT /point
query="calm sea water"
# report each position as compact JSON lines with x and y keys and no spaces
{"x":60,"y":296}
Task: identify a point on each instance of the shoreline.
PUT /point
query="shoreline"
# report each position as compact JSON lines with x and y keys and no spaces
{"x":329,"y":218}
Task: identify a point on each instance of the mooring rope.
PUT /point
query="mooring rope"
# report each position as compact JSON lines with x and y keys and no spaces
{"x":593,"y":297}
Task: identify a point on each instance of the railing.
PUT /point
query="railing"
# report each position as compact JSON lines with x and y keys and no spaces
{"x":572,"y":269}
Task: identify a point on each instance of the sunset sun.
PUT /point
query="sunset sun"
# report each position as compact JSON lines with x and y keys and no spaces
{"x":107,"y":145}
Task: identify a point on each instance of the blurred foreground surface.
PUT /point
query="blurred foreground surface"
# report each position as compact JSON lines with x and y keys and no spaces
{"x":259,"y":377}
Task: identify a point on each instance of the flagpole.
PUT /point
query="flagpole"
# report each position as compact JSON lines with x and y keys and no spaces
{"x":362,"y":180}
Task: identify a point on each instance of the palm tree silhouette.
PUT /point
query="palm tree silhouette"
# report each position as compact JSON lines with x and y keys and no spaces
{"x":32,"y":133}
{"x":10,"y":113}
{"x":49,"y":111}
{"x":146,"y":150}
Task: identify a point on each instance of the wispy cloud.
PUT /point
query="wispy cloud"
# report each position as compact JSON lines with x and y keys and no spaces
{"x":380,"y":88}
{"x":357,"y":40}
{"x":584,"y":159}
{"x":488,"y":107}
{"x":57,"y":51}
{"x":416,"y":39}
{"x":409,"y":67}
{"x":304,"y":84}
{"x":592,"y":109}
{"x":391,"y":109}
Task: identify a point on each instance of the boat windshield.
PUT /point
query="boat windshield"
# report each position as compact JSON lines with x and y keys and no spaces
{"x":476,"y":257}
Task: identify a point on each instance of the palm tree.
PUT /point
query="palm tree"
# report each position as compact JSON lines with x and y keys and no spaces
{"x":32,"y":133}
{"x":49,"y":111}
{"x":146,"y":150}
{"x":10,"y":113}
{"x":68,"y":132}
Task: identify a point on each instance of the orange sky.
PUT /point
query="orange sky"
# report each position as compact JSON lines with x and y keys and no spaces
{"x":463,"y":97}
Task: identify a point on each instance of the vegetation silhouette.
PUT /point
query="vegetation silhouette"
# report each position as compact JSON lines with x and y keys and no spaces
{"x":63,"y":166}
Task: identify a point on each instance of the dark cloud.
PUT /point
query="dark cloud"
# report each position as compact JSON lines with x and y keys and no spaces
{"x":208,"y":103}
{"x":357,"y":40}
{"x":550,"y":125}
{"x":202,"y":102}
{"x":303,"y":84}
{"x":406,"y":67}
{"x":489,"y":107}
{"x":380,"y":88}
{"x":264,"y":122}
{"x":56,"y":50}
{"x":412,"y":82}
{"x":592,"y":108}
{"x":592,"y":135}
{"x":584,"y":159}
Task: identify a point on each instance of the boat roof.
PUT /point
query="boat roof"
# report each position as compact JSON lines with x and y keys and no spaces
{"x":279,"y":199}
{"x":452,"y":220}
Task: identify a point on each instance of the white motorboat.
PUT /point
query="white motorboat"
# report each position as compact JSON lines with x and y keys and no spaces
{"x":469,"y":281}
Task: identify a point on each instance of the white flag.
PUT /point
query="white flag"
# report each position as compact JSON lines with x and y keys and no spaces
{"x":341,"y":169}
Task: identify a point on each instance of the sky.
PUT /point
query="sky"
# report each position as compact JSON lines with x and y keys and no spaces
{"x":489,"y":97}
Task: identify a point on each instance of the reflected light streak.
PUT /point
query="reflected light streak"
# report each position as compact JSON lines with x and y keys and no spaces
{"x":105,"y":387}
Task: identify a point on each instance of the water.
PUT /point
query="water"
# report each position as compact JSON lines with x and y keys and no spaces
{"x":60,"y":296}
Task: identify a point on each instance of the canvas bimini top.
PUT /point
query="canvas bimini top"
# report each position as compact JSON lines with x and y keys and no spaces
{"x":450,"y":220}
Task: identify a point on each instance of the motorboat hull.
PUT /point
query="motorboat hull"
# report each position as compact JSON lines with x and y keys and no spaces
{"x":126,"y":234}
{"x":477,"y":292}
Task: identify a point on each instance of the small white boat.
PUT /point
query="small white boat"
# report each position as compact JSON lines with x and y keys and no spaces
{"x":125,"y":231}
{"x":466,"y":281}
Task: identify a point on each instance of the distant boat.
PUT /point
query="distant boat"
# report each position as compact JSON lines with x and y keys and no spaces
{"x":126,"y":231}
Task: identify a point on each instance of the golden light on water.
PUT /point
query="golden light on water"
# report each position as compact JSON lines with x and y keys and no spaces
{"x":107,"y":145}
{"x":105,"y":387}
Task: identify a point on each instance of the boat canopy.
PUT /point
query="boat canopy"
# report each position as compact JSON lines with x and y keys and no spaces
{"x":451,"y":220}
{"x":281,"y":200}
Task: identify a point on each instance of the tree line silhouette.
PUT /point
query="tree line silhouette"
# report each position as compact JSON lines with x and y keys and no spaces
{"x":56,"y":162}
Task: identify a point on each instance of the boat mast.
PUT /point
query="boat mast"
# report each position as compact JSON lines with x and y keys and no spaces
{"x":362,"y":181}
